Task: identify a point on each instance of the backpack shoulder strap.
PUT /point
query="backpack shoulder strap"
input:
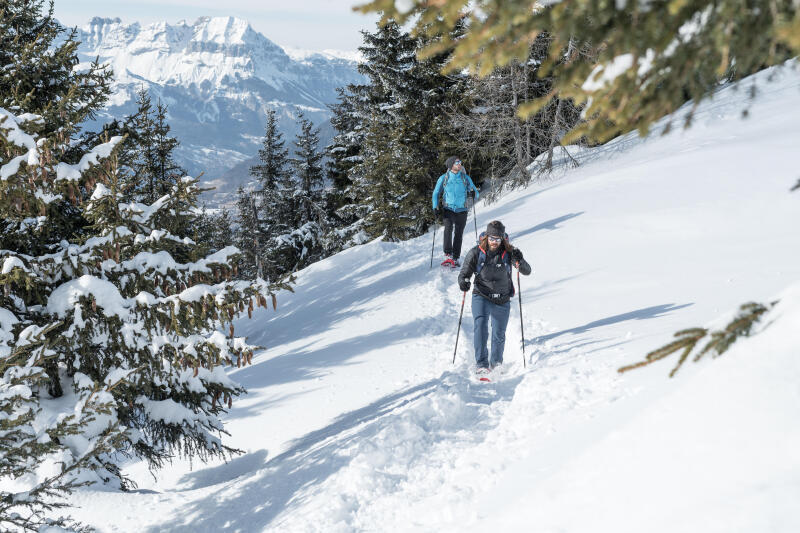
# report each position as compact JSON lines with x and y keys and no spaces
{"x":506,"y":257}
{"x":507,"y":260}
{"x":481,"y":260}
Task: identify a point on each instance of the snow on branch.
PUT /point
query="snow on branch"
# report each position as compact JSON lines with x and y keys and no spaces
{"x":69,"y":172}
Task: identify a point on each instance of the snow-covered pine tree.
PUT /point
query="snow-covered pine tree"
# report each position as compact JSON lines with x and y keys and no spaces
{"x":344,"y":169}
{"x":271,"y":171}
{"x":38,"y":57}
{"x":308,"y":171}
{"x":168,"y":172}
{"x":302,"y":244}
{"x":162,"y":306}
{"x":38,"y":60}
{"x":266,"y":211}
{"x":42,"y":456}
{"x":132,"y":300}
{"x":348,"y":119}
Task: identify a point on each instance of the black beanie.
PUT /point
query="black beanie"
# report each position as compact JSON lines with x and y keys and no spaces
{"x":450,"y":161}
{"x":495,"y":228}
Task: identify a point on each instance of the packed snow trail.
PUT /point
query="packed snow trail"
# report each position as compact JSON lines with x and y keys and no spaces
{"x":357,"y":420}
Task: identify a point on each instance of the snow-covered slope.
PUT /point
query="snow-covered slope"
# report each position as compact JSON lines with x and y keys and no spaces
{"x":357,"y":420}
{"x":218,"y":77}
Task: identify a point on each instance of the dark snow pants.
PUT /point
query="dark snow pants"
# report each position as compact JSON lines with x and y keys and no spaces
{"x":483,"y":312}
{"x":453,"y":232}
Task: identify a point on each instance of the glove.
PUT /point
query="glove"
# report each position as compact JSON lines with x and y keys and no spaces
{"x":516,"y":255}
{"x":464,"y":285}
{"x":471,"y":193}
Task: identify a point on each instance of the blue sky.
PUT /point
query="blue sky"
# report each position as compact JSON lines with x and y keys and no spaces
{"x":310,"y":24}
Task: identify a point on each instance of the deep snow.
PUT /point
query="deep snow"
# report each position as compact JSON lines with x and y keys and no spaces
{"x":356,"y":419}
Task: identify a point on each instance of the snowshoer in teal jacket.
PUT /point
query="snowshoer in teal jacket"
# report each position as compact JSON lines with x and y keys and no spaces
{"x":453,"y":187}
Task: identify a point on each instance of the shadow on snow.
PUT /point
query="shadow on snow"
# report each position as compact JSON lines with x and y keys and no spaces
{"x":278,"y":484}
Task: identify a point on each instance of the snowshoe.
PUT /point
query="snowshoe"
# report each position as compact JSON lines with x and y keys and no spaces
{"x":483,"y":373}
{"x":448,"y":261}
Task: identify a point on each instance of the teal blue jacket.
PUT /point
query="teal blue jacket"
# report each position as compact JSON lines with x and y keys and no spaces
{"x":455,"y":191}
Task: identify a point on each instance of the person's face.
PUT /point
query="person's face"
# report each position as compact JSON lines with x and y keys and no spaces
{"x":494,"y":242}
{"x":456,"y":166}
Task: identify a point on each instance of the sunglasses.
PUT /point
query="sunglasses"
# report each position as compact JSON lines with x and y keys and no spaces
{"x":494,"y":239}
{"x":457,"y":162}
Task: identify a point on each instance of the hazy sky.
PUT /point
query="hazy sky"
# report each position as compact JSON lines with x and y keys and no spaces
{"x":311,"y":24}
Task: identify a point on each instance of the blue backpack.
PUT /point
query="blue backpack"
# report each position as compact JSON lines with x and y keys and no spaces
{"x":505,"y":257}
{"x":461,"y":175}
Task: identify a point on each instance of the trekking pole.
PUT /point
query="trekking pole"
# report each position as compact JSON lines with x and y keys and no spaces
{"x":463,"y":298}
{"x":475,"y":218}
{"x":521,"y":329}
{"x":433,"y":245}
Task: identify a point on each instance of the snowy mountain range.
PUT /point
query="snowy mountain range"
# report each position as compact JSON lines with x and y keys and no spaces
{"x":218,"y":76}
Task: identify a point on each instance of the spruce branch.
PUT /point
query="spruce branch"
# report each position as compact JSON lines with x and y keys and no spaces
{"x":741,"y":326}
{"x":686,"y":340}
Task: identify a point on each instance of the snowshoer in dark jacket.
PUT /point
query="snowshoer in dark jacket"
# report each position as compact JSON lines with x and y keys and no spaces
{"x":454,"y":186}
{"x":491,"y":262}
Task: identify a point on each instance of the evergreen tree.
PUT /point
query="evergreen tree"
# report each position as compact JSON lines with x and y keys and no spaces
{"x":147,"y":163}
{"x":266,"y":211}
{"x":309,"y":174}
{"x":650,"y":57}
{"x":297,"y":239}
{"x":271,"y":172}
{"x":38,"y":75}
{"x":37,"y":71}
{"x":168,"y":172}
{"x":248,"y":238}
{"x":348,"y":121}
{"x":32,"y":339}
{"x":345,"y":169}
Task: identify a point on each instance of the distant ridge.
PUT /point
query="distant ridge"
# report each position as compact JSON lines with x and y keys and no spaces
{"x":219,"y":77}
